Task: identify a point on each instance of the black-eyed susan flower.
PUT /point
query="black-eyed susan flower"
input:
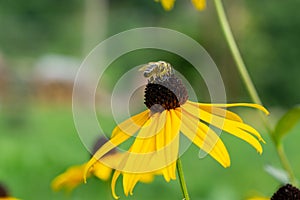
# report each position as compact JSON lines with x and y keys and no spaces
{"x":73,"y":176}
{"x":155,"y":149}
{"x":168,"y":4}
{"x":4,"y":194}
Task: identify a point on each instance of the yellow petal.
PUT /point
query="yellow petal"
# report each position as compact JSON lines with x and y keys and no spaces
{"x":133,"y":124}
{"x":221,"y":112}
{"x":205,"y":138}
{"x":131,"y":179}
{"x":129,"y":182}
{"x":111,"y":144}
{"x":113,"y":184}
{"x":138,"y":158}
{"x":101,"y":171}
{"x":232,"y":127}
{"x":120,"y":134}
{"x":199,"y":4}
{"x":250,"y":105}
{"x":258,"y":198}
{"x":160,"y":147}
{"x":70,"y":179}
{"x":172,"y":133}
{"x":160,"y":132}
{"x":220,"y":122}
{"x":167,"y":145}
{"x":167,"y":4}
{"x":147,"y":177}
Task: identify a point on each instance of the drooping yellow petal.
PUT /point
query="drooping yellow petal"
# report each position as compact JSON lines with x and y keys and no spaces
{"x":167,"y":145}
{"x":120,"y":134}
{"x":102,"y":171}
{"x":172,"y":144}
{"x":199,"y":4}
{"x":160,"y":147}
{"x":133,"y":124}
{"x":250,"y":105}
{"x":205,"y":138}
{"x":167,"y":4}
{"x":69,"y":179}
{"x":113,"y":184}
{"x":130,"y":180}
{"x":111,"y":144}
{"x":140,"y":153}
{"x":232,"y":127}
{"x":220,"y":112}
{"x":147,"y":177}
{"x":220,"y":122}
{"x":160,"y":132}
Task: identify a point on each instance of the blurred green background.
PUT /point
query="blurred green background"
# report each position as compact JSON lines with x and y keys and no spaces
{"x":42,"y":44}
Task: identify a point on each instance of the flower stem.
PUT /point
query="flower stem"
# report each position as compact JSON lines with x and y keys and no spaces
{"x":235,"y":51}
{"x":249,"y":84}
{"x":286,"y":165}
{"x":182,"y":180}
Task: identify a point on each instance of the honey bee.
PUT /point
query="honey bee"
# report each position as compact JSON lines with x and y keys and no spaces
{"x":157,"y":70}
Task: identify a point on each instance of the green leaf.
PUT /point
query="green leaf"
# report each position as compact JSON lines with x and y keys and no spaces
{"x":286,"y":123}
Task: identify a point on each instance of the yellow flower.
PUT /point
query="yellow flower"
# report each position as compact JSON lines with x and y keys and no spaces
{"x":168,"y":4}
{"x":155,"y":149}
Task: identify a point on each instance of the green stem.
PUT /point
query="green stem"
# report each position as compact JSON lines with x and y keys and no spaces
{"x":182,"y":180}
{"x":286,"y":165}
{"x":248,"y":82}
{"x":235,"y":51}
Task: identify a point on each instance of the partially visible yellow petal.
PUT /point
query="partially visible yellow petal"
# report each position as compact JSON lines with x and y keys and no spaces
{"x":8,"y":198}
{"x":232,"y":127}
{"x":111,"y":144}
{"x":199,"y":4}
{"x":220,"y":122}
{"x":250,"y":105}
{"x":167,"y":4}
{"x":69,"y":179}
{"x":133,"y":124}
{"x":130,"y":180}
{"x":101,"y":171}
{"x":258,"y":198}
{"x":147,"y":178}
{"x":113,"y":184}
{"x":205,"y":138}
{"x":220,"y":112}
{"x":73,"y":176}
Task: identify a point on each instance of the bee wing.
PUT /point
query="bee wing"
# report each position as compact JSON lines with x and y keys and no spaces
{"x":143,"y":68}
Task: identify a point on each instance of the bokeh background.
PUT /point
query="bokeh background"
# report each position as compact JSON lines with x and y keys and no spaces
{"x":42,"y":44}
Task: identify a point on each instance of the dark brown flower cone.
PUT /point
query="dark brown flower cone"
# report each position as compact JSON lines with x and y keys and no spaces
{"x":287,"y":192}
{"x":165,"y":94}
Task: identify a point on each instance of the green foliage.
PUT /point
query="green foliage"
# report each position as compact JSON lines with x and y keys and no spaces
{"x":270,"y":45}
{"x":286,"y":123}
